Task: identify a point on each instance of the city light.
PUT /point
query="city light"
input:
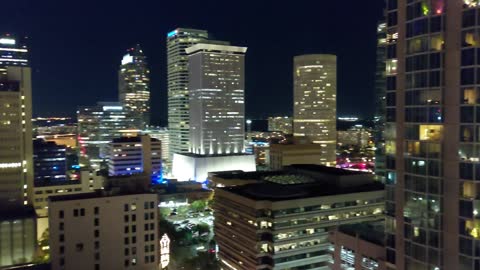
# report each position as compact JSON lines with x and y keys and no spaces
{"x":127,"y":59}
{"x":10,"y":165}
{"x":164,"y":251}
{"x":7,"y":41}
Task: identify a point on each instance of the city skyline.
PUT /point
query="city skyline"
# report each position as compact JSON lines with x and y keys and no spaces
{"x":69,"y":74}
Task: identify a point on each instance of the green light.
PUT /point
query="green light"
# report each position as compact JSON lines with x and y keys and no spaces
{"x":425,"y":9}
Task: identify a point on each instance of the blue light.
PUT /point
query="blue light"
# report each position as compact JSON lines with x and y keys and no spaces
{"x":55,"y":167}
{"x":158,"y":179}
{"x":171,"y":34}
{"x":75,"y":166}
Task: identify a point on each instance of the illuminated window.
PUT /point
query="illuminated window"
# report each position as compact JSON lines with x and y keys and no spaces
{"x":470,"y":96}
{"x":430,"y":132}
{"x":391,"y":67}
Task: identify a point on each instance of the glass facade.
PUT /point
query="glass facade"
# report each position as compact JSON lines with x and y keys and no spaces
{"x":380,"y":90}
{"x":315,"y":103}
{"x":49,"y":161}
{"x":134,"y":86}
{"x":217,"y":109}
{"x":178,"y":95}
{"x":97,"y":126}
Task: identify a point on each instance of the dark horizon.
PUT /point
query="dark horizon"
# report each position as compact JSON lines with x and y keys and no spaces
{"x":76,"y":48}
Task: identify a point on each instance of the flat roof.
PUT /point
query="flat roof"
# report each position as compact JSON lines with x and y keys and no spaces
{"x":13,"y":212}
{"x":373,"y":232}
{"x":303,"y":171}
{"x":205,"y":46}
{"x":270,"y":191}
{"x":325,"y":169}
{"x":94,"y":195}
{"x":131,"y":139}
{"x":214,"y":155}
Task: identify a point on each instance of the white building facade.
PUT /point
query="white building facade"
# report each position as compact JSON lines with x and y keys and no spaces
{"x":315,"y":102}
{"x":217,"y":109}
{"x":92,"y":231}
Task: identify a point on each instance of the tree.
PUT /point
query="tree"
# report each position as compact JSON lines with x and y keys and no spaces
{"x":182,"y":210}
{"x":203,"y":228}
{"x":198,"y":205}
{"x":165,"y":212}
{"x":43,"y":253}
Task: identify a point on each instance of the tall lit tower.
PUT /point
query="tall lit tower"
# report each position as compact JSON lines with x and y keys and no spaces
{"x":16,"y":146}
{"x":178,"y":105}
{"x":432,"y":134}
{"x":134,"y":86}
{"x":380,"y":99}
{"x":217,"y":109}
{"x":315,"y":102}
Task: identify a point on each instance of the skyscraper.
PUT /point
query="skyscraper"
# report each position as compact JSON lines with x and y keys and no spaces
{"x":217,"y":112}
{"x":97,"y":126}
{"x":431,"y":133}
{"x":178,"y":113}
{"x":283,"y":124}
{"x":16,"y":148}
{"x":50,"y":164}
{"x":135,"y":155}
{"x":134,"y":86}
{"x":217,"y":109}
{"x":380,"y":99}
{"x":315,"y":102}
{"x":13,"y":52}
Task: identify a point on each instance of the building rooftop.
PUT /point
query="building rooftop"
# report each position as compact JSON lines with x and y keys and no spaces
{"x":324,"y":169}
{"x":301,"y":173}
{"x":370,"y":232}
{"x":214,"y":155}
{"x":131,"y":139}
{"x":16,"y":212}
{"x":94,"y":195}
{"x":270,"y":191}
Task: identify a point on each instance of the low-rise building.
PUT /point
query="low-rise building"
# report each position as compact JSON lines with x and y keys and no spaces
{"x":49,"y":163}
{"x":135,"y":155}
{"x":195,"y":167}
{"x":104,"y":230}
{"x":18,"y":236}
{"x":283,"y":222}
{"x":355,"y":136}
{"x":282,"y":124}
{"x":287,"y":154}
{"x":359,"y":246}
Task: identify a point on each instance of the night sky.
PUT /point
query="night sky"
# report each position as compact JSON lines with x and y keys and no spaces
{"x":76,"y":47}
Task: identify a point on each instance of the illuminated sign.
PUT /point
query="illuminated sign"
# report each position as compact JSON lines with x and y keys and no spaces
{"x":164,"y":251}
{"x":171,"y":34}
{"x":9,"y":41}
{"x":127,"y":58}
{"x":112,"y":108}
{"x":10,"y":165}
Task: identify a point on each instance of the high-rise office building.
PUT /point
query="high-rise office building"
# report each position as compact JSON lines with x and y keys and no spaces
{"x":432,"y":161}
{"x":283,"y":221}
{"x":217,"y":109}
{"x":135,"y":155}
{"x":49,"y":163}
{"x":13,"y":52}
{"x":282,"y":124}
{"x":178,"y":104}
{"x":16,"y":153}
{"x":380,"y":99}
{"x":98,"y":125}
{"x":18,"y":233}
{"x":163,"y":135}
{"x":315,"y":102}
{"x":217,"y":112}
{"x":134,"y":86}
